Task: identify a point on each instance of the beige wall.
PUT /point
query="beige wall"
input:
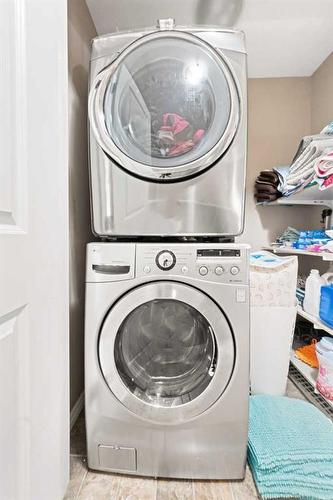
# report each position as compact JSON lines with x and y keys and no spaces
{"x":322,"y":95}
{"x":279,"y":115}
{"x":80,"y":31}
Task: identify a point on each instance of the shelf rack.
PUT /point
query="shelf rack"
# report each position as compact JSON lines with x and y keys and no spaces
{"x":327,"y":256}
{"x":303,"y":375}
{"x":318,"y":325}
{"x":309,"y":196}
{"x":308,"y":372}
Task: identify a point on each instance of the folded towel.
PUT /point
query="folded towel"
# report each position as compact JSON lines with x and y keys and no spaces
{"x":264,"y":187}
{"x":268,"y":176}
{"x":306,"y":140}
{"x":328,"y":129}
{"x":325,"y":183}
{"x":290,"y":448}
{"x":302,"y":170}
{"x":324,"y":166}
{"x":266,"y":197}
{"x":282,"y":173}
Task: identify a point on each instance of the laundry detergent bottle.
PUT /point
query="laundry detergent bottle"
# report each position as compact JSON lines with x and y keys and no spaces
{"x":326,"y":305}
{"x":313,"y":286}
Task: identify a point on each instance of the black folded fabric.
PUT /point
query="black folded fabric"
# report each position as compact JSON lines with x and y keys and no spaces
{"x":268,"y":176}
{"x":262,"y":197}
{"x":265,"y":188}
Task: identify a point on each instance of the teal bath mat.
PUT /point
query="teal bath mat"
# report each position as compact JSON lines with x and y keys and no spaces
{"x":290,"y":449}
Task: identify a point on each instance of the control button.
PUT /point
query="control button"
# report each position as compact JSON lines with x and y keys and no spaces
{"x":234,"y":270}
{"x":203,"y":270}
{"x":219,"y":270}
{"x":165,"y":260}
{"x":146,"y":269}
{"x":184,"y":269}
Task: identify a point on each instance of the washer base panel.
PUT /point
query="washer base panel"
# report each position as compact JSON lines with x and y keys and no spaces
{"x":217,"y":452}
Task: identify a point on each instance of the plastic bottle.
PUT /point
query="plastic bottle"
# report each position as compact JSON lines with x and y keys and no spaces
{"x":328,"y":277}
{"x":313,"y":285}
{"x":326,"y":305}
{"x":324,"y":383}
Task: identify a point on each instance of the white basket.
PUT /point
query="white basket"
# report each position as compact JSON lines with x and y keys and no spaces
{"x":272,"y":330}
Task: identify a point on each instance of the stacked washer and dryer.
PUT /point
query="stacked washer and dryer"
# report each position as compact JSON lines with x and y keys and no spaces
{"x":167,"y":294}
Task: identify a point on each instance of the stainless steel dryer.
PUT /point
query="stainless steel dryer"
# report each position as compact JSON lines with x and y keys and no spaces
{"x":167,"y":115}
{"x":167,"y":359}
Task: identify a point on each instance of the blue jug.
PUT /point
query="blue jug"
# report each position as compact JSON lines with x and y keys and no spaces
{"x":326,"y":305}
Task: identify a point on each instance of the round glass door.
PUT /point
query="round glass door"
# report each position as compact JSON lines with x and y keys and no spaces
{"x":165,"y":352}
{"x":168,"y":101}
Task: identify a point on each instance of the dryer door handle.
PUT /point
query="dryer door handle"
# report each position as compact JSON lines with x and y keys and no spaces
{"x":111,"y":269}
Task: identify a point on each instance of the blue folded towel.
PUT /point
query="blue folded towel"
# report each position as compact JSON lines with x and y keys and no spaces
{"x":290,"y":448}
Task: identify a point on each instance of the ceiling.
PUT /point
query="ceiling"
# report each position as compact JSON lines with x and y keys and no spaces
{"x":284,"y":37}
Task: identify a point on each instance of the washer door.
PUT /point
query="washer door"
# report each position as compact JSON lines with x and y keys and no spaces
{"x":166,"y":351}
{"x":166,"y":108}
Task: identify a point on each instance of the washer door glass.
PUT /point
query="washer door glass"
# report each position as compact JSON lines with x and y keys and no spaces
{"x":168,"y":101}
{"x":165,"y":352}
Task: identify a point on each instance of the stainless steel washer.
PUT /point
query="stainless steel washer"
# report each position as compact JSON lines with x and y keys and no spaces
{"x":167,"y":359}
{"x":167,"y":123}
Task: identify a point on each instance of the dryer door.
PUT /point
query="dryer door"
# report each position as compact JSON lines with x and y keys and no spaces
{"x":166,"y":351}
{"x":167,"y":108}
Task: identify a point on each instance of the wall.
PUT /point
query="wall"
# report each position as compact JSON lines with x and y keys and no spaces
{"x":279,"y":115}
{"x":322,"y":95}
{"x":80,"y":31}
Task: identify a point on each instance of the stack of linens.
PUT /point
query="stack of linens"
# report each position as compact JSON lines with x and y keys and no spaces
{"x":266,"y":186}
{"x":303,"y":171}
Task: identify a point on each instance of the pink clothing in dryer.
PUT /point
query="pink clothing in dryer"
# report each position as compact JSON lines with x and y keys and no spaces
{"x":184,"y":146}
{"x":174,"y":123}
{"x":176,"y":135}
{"x":181,"y":148}
{"x":198,"y":135}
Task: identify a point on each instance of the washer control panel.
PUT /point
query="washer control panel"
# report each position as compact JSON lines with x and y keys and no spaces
{"x":217,"y":262}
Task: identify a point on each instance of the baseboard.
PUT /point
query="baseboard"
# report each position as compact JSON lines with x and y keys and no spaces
{"x":76,"y":410}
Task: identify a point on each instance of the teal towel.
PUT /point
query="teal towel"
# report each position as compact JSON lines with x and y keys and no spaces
{"x":290,"y":448}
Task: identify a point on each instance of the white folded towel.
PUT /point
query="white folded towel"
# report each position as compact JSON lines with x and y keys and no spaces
{"x":303,"y":169}
{"x":324,"y":166}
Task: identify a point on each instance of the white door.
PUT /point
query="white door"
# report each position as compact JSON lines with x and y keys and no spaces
{"x":33,"y":250}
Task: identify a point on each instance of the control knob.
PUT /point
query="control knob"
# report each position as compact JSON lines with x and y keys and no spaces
{"x":165,"y":260}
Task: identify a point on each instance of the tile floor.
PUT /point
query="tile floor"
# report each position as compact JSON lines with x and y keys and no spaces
{"x":90,"y":485}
